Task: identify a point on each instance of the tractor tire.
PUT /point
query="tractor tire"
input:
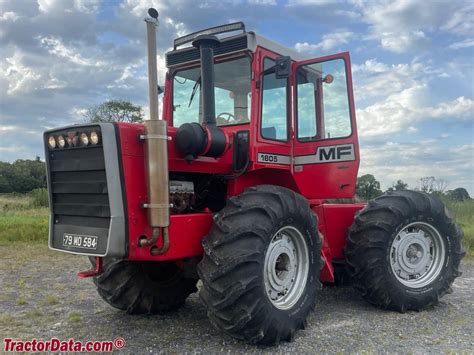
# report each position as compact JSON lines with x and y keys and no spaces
{"x":143,"y":287}
{"x":403,"y":251}
{"x":261,"y":265}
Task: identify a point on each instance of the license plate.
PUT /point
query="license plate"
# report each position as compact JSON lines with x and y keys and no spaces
{"x":80,"y":241}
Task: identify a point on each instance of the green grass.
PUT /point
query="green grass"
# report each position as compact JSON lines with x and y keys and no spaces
{"x":464,"y":215}
{"x":20,"y":221}
{"x":74,"y":317}
{"x":51,"y":300}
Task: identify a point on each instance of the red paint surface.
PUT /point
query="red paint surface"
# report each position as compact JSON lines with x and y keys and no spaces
{"x":318,"y":181}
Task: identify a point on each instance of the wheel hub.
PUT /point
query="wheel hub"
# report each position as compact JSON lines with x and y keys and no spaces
{"x":286,"y":267}
{"x":417,"y":254}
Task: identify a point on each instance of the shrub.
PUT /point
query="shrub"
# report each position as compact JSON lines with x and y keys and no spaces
{"x":39,"y":197}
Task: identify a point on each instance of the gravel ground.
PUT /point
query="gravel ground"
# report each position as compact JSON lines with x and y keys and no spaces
{"x":41,"y":297}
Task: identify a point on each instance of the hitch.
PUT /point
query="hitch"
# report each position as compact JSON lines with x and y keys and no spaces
{"x":93,"y":272}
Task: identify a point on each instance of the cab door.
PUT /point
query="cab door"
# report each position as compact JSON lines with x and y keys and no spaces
{"x":273,"y":128}
{"x":325,"y":148}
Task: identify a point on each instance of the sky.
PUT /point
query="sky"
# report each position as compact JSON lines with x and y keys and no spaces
{"x":413,"y":69}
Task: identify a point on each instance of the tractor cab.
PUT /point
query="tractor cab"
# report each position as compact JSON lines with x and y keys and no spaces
{"x":277,"y":110}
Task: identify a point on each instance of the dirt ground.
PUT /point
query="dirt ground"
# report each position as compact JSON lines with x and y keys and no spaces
{"x":41,"y":297}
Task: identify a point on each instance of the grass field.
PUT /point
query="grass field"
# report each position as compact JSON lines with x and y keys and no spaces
{"x":21,"y":221}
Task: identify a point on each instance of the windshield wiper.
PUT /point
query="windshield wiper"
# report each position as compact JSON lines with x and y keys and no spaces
{"x":195,"y":87}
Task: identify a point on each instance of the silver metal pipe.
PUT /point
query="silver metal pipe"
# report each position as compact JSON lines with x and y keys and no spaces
{"x":151,"y":24}
{"x":156,"y":143}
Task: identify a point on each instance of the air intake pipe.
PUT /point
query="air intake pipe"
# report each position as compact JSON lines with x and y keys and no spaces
{"x":194,"y":139}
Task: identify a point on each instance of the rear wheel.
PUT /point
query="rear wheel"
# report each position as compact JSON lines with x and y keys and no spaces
{"x":403,"y":251}
{"x":143,"y":287}
{"x":260,"y":270}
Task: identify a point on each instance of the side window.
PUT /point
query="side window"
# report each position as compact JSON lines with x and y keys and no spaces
{"x":323,"y":101}
{"x":274,"y":101}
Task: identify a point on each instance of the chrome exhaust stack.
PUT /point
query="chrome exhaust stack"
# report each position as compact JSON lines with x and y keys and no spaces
{"x":156,"y":151}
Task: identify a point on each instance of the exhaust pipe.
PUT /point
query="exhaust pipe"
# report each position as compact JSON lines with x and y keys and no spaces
{"x":156,"y":149}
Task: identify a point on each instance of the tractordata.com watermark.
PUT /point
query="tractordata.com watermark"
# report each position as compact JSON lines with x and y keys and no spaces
{"x":70,"y":345}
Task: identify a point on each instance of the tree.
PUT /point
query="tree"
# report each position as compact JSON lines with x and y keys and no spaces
{"x":115,"y":111}
{"x":459,"y":194}
{"x":368,"y":187}
{"x":430,"y":184}
{"x":22,"y":176}
{"x":398,"y":186}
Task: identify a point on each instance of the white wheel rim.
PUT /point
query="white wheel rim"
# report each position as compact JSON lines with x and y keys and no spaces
{"x":286,"y":267}
{"x":417,"y":255}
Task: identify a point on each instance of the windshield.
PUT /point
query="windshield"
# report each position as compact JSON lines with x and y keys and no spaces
{"x":232,"y":92}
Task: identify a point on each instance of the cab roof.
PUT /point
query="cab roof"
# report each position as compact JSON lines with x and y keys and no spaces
{"x":236,"y":43}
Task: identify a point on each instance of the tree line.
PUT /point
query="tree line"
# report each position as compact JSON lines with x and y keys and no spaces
{"x":368,"y":187}
{"x":24,"y":175}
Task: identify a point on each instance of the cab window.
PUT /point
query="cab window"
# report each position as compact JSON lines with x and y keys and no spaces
{"x":232,"y":93}
{"x":322,"y":101}
{"x":274,"y":104}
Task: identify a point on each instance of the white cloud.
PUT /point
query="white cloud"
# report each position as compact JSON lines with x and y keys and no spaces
{"x":262,"y":2}
{"x":58,"y":6}
{"x":328,"y":41}
{"x":9,"y":16}
{"x":409,"y":162}
{"x":405,"y":25}
{"x":311,"y":2}
{"x":18,"y":76}
{"x":462,"y":44}
{"x":402,"y":110}
{"x":403,"y":41}
{"x":370,"y":66}
{"x":461,"y":21}
{"x":376,"y":79}
{"x":6,"y":129}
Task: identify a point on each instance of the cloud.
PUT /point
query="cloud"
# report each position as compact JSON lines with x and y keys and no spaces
{"x":461,"y":21}
{"x":262,"y":2}
{"x":328,"y":41}
{"x":402,"y":110}
{"x":405,"y":25}
{"x":311,"y":2}
{"x":375,"y":79}
{"x":409,"y":162}
{"x":462,"y":44}
{"x":403,"y":41}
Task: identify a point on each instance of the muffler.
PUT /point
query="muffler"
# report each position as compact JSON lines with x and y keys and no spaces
{"x":156,"y":150}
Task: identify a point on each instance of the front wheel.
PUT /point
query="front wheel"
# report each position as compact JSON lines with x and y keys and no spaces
{"x":260,"y":270}
{"x":143,"y":287}
{"x":403,"y":251}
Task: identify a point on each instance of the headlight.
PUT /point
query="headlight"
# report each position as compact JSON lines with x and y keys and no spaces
{"x":61,"y":142}
{"x":84,"y":139}
{"x":51,"y":142}
{"x":94,"y":137}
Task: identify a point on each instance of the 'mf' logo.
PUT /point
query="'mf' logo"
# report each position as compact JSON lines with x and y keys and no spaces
{"x":335,"y":153}
{"x":328,"y":154}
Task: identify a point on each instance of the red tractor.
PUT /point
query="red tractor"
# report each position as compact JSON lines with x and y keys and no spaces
{"x":248,"y":184}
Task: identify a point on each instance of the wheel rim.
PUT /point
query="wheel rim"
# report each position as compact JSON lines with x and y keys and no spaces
{"x":286,"y":267}
{"x":417,"y":254}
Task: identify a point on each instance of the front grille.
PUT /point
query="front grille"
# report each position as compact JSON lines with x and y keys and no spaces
{"x":189,"y":54}
{"x":78,"y":186}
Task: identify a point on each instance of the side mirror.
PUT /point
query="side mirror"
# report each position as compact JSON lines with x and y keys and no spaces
{"x":282,"y":67}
